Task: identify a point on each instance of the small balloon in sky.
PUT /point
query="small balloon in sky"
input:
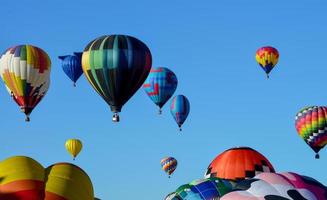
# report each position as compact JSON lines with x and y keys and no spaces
{"x":180,"y":108}
{"x":267,"y":57}
{"x":72,"y":66}
{"x":160,"y":85}
{"x":74,"y":147}
{"x":169,"y":165}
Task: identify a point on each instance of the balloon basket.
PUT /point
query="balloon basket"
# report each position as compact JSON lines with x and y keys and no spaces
{"x":115,"y":118}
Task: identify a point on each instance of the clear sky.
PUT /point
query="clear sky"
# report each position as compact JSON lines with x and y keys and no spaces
{"x":210,"y":45}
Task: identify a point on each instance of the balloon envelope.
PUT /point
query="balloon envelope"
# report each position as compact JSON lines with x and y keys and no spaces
{"x":180,"y":108}
{"x":282,"y":186}
{"x":72,"y":66}
{"x":73,"y":146}
{"x":160,"y":85}
{"x":238,"y":164}
{"x":203,"y":189}
{"x":311,"y":125}
{"x":169,"y":165}
{"x":267,"y":57}
{"x":116,"y":66}
{"x":23,"y":178}
{"x":25,"y":70}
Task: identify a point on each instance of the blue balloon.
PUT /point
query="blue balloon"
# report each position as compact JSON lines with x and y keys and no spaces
{"x":180,"y":108}
{"x":160,"y":85}
{"x":72,"y":66}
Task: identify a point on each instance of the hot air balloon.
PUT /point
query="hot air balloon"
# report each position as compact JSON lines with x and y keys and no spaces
{"x":180,"y":108}
{"x":116,"y":66}
{"x":267,"y":58}
{"x":21,"y":178}
{"x":74,"y":146}
{"x":311,"y":125}
{"x":169,"y":165}
{"x":67,"y":181}
{"x":25,"y":70}
{"x":238,"y":163}
{"x":160,"y":85}
{"x":283,"y":186}
{"x":202,"y":189}
{"x":72,"y":66}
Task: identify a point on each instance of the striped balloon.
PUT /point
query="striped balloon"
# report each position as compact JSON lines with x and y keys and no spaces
{"x":180,"y":108}
{"x":169,"y":165}
{"x":160,"y":85}
{"x":267,"y":58}
{"x":25,"y":70}
{"x":74,"y":147}
{"x":116,"y":66}
{"x":311,"y":125}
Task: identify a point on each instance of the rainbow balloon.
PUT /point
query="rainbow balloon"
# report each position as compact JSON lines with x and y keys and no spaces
{"x":311,"y":125}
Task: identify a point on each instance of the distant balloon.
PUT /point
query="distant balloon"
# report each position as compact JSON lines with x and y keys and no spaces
{"x":267,"y":57}
{"x":180,"y":108}
{"x":160,"y":85}
{"x":169,"y":165}
{"x":202,"y":189}
{"x":238,"y":163}
{"x":116,"y":66}
{"x":72,"y":66}
{"x":278,"y":186}
{"x":74,"y":146}
{"x":311,"y":125}
{"x":25,"y":70}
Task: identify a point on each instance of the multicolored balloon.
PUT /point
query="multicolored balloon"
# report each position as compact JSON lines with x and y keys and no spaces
{"x":180,"y":108}
{"x":160,"y":85}
{"x":116,"y":66}
{"x":238,"y":164}
{"x":311,"y":125}
{"x":25,"y":70}
{"x":267,"y":57}
{"x":203,"y":189}
{"x":74,"y":147}
{"x":72,"y":66}
{"x":169,"y":165}
{"x":283,"y":186}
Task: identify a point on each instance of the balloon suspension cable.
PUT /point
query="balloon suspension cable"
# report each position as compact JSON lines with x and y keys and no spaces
{"x":27,"y":118}
{"x":160,"y":111}
{"x":115,"y":117}
{"x":317,"y":156}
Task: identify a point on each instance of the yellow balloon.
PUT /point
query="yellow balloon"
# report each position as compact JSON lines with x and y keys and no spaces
{"x":73,"y":146}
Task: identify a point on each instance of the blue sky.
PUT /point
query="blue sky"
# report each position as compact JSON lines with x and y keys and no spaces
{"x":210,"y":46}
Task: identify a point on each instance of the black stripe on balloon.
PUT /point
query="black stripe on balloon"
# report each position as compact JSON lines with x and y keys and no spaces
{"x":97,"y":43}
{"x":109,"y":42}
